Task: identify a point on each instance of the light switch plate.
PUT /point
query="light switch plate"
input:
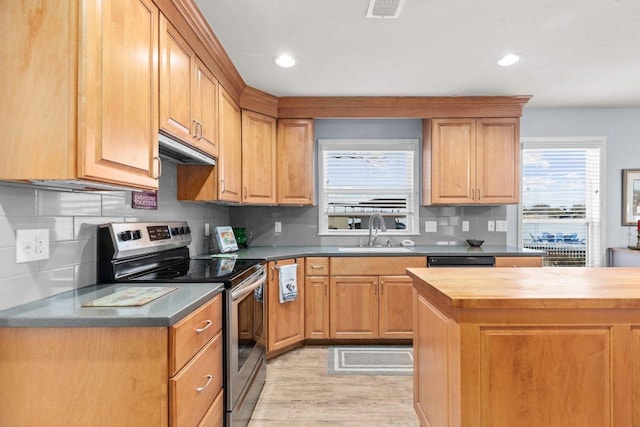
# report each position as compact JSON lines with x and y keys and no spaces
{"x":278,"y":227}
{"x":491,"y":226}
{"x":32,"y":245}
{"x":465,"y":225}
{"x":501,"y":225}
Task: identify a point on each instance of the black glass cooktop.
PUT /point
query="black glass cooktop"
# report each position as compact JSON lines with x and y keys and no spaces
{"x":221,"y":270}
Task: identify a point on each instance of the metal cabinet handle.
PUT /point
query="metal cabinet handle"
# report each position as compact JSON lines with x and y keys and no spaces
{"x":206,"y":326}
{"x":325,"y":287}
{"x":159,"y":167}
{"x":381,"y":288}
{"x":194,"y":128}
{"x":245,"y":192}
{"x":473,"y":194}
{"x":375,"y":288}
{"x":209,"y":378}
{"x":222,"y":185}
{"x":478,"y":195}
{"x":199,"y":125}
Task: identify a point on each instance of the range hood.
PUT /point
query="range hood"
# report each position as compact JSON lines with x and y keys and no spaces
{"x":177,"y":152}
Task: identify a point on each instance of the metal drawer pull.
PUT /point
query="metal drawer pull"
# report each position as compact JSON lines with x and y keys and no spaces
{"x":209,"y":378}
{"x":315,"y":267}
{"x":206,"y":326}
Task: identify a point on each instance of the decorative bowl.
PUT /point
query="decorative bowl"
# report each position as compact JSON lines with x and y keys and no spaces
{"x":475,"y":242}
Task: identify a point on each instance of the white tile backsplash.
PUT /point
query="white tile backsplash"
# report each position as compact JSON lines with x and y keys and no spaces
{"x":72,"y":219}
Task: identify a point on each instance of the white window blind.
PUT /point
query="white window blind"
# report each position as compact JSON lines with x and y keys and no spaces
{"x":562,"y":201}
{"x":363,"y":177}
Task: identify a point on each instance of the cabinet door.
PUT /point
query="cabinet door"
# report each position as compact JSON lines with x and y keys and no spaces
{"x":316,"y":307}
{"x":258,"y":158}
{"x":118,"y":88}
{"x":285,"y":321}
{"x":205,"y":98}
{"x":229,"y":149}
{"x":453,"y":161}
{"x":498,"y":161}
{"x":395,"y":304}
{"x":353,"y":302}
{"x":295,"y":162}
{"x":176,"y":83}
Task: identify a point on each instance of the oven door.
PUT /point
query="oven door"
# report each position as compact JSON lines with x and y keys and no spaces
{"x":246,"y":336}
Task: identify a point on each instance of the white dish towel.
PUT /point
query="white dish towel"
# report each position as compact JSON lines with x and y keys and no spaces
{"x":288,"y":282}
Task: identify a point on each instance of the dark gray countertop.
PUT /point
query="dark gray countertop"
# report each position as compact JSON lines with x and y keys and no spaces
{"x":65,"y":310}
{"x":271,"y":253}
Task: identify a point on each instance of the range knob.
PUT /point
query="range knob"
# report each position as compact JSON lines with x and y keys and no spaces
{"x":136,"y":234}
{"x":187,"y":230}
{"x":175,"y":231}
{"x":126,"y":235}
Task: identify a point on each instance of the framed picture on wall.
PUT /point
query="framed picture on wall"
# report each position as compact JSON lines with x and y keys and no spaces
{"x":630,"y":196}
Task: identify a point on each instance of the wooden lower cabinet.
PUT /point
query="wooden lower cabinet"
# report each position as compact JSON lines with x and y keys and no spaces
{"x":525,"y":367}
{"x":353,"y":305}
{"x":127,"y":376}
{"x":316,"y":307}
{"x":285,"y":321}
{"x":513,"y":261}
{"x":395,"y":303}
{"x":371,"y":306}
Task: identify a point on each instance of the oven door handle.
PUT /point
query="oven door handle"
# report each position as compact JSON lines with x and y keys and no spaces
{"x":245,"y":290}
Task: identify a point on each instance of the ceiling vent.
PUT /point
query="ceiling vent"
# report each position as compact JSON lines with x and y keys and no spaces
{"x":385,"y":8}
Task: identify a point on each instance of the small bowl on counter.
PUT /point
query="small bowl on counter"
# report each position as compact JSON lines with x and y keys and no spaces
{"x":475,"y":242}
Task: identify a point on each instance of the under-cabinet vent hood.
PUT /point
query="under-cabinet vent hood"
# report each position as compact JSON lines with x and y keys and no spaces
{"x":384,"y":8}
{"x":177,"y":152}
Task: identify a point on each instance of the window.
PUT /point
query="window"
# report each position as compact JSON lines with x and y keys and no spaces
{"x":361,"y":177}
{"x":562,"y":192}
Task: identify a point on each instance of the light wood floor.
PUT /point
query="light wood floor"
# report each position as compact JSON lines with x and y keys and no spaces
{"x":299,"y":392}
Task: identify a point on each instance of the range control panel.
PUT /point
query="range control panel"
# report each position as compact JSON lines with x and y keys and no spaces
{"x":137,"y":238}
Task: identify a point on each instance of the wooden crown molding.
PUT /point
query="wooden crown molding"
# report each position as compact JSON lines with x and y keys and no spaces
{"x":401,"y":106}
{"x":259,"y":101}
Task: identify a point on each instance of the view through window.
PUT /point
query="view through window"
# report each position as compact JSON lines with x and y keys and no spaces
{"x":365,"y":177}
{"x":561,"y":207}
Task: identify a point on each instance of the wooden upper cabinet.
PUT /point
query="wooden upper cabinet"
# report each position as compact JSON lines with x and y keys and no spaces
{"x":258,"y":158}
{"x":471,"y":161}
{"x":188,"y":93}
{"x":230,"y":148}
{"x":295,"y":162}
{"x":93,"y":115}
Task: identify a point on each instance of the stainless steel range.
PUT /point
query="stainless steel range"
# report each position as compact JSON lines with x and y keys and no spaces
{"x":157,"y":252}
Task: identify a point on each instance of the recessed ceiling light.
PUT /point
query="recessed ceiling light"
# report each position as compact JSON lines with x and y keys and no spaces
{"x":510,"y":59}
{"x":285,"y":61}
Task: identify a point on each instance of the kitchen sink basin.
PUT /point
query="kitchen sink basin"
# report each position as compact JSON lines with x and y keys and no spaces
{"x":374,"y":249}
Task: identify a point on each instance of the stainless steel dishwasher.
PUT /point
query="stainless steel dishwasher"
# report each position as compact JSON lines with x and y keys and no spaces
{"x":461,"y":261}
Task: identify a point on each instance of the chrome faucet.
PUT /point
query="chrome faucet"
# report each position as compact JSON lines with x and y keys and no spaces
{"x":373,"y":235}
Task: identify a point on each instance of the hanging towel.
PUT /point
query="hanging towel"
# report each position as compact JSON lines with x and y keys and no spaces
{"x":288,"y":282}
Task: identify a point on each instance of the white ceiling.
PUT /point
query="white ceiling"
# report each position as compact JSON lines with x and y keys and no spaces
{"x":577,"y":53}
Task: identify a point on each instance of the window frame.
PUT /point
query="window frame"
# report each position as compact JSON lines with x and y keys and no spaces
{"x":373,"y":145}
{"x":598,"y":142}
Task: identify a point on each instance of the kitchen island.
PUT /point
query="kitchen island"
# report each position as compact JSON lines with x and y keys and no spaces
{"x":527,"y":347}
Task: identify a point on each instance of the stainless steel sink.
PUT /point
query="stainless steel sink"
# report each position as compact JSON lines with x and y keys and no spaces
{"x":374,"y":249}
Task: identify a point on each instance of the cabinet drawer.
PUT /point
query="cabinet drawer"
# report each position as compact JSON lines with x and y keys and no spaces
{"x":188,"y":336}
{"x":192,"y":391}
{"x":317,"y":266}
{"x":375,"y":265}
{"x":215,"y":415}
{"x":518,"y":261}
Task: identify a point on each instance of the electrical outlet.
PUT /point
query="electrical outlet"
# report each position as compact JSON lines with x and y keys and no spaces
{"x":430,"y":226}
{"x":491,"y":226}
{"x":206,"y":229}
{"x":501,"y":225}
{"x":278,"y":227}
{"x":465,"y":225}
{"x":32,"y":245}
